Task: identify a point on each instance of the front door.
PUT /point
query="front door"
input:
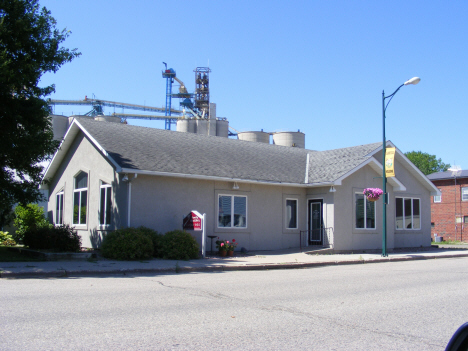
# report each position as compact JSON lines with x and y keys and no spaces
{"x":315,"y":222}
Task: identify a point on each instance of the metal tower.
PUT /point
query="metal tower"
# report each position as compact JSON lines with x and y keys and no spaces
{"x":169,"y":74}
{"x":202,"y":90}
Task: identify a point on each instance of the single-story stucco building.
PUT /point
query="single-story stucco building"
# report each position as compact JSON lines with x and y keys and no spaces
{"x":111,"y":175}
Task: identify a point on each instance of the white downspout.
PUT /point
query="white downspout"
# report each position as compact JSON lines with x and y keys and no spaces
{"x":129,"y":202}
{"x":130,"y":199}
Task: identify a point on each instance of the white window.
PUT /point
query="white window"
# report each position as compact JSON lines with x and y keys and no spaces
{"x":438,"y":198}
{"x":407,"y":213}
{"x":464,"y":193}
{"x":59,"y":208}
{"x":80,"y":198}
{"x":232,"y":211}
{"x":291,"y":214}
{"x":365,"y":212}
{"x":106,"y":204}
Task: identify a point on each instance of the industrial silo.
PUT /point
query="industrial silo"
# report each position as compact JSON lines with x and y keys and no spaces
{"x":186,"y":125}
{"x":222,"y":128}
{"x":259,"y":137}
{"x":59,"y":125}
{"x":202,"y":126}
{"x":107,"y":119}
{"x":294,"y":139}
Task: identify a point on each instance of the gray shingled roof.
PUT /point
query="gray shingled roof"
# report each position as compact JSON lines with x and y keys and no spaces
{"x":150,"y":149}
{"x":326,"y":166}
{"x":447,"y":175}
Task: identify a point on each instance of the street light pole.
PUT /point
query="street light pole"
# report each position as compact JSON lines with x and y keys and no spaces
{"x":412,"y":81}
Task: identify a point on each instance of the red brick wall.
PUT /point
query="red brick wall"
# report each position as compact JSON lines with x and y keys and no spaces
{"x":443,"y":213}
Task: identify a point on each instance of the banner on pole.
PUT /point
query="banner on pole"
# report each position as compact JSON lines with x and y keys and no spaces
{"x":390,"y":162}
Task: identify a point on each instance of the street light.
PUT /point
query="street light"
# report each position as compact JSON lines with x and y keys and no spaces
{"x":456,"y":171}
{"x":412,"y":81}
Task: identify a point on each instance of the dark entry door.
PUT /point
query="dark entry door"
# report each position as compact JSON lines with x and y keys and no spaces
{"x":315,"y":222}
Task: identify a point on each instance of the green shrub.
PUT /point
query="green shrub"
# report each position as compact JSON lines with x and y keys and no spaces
{"x":127,"y":244}
{"x":155,"y":237}
{"x":28,"y":217}
{"x":179,"y":245}
{"x":6,"y":239}
{"x":61,"y":238}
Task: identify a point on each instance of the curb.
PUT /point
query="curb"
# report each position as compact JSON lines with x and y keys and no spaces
{"x":216,"y":268}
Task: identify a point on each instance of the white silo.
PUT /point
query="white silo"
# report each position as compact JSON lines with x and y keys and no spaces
{"x":187,"y":125}
{"x":259,"y":137}
{"x":108,"y":119}
{"x":222,"y":128}
{"x":294,"y":139}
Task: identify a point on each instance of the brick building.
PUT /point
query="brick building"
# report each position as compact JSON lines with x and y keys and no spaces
{"x":449,"y":211}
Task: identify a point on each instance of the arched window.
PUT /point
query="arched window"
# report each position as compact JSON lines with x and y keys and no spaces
{"x":80,"y":198}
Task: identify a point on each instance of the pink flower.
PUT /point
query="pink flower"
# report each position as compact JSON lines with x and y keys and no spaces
{"x":227,"y":242}
{"x":222,"y":244}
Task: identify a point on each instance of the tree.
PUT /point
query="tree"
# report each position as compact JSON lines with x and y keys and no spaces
{"x":427,"y":163}
{"x":29,"y":47}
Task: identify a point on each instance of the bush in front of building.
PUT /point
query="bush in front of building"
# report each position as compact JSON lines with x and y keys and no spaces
{"x":58,"y":238}
{"x":6,"y":239}
{"x":178,"y":245}
{"x":155,"y":237}
{"x":28,"y":217}
{"x":142,"y":243}
{"x":127,"y":244}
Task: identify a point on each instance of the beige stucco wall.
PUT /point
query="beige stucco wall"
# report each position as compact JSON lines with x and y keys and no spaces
{"x":162,"y":202}
{"x":347,"y":237}
{"x":83,"y":156}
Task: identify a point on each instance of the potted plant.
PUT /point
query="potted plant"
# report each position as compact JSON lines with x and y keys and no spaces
{"x":222,"y":247}
{"x":372,"y":194}
{"x":226,"y":247}
{"x":231,"y":246}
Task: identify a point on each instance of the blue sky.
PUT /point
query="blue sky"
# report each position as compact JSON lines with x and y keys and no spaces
{"x":317,"y":66}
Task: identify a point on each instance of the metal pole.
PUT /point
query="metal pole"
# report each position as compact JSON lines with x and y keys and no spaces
{"x":384,"y":183}
{"x":456,"y":223}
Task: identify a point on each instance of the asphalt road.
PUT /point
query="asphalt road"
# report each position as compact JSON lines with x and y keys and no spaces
{"x":414,"y":305}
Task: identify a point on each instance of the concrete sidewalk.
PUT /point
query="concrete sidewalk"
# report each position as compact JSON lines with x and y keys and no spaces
{"x":283,"y":259}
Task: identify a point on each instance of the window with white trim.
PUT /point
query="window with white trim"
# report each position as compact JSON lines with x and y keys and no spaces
{"x":232,"y":211}
{"x":291,"y":213}
{"x":105,"y":204}
{"x":438,"y":198}
{"x":464,"y":194}
{"x":80,"y":198}
{"x":407,"y":213}
{"x":59,"y":208}
{"x":365,"y":212}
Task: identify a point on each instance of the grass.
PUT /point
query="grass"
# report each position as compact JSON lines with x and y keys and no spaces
{"x":449,"y":242}
{"x":14,"y":256}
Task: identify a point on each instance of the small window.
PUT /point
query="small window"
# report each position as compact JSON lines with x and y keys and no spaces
{"x":291,"y":213}
{"x":106,"y":204}
{"x":438,"y":198}
{"x":464,"y":193}
{"x":465,"y":219}
{"x":59,"y":208}
{"x":365,"y":212}
{"x":407,"y":213}
{"x":80,"y":198}
{"x":232,"y":211}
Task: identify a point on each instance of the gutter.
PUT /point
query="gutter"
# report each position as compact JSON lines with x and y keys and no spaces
{"x":225,"y":179}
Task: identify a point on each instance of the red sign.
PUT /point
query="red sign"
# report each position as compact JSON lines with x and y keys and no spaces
{"x":193,"y":221}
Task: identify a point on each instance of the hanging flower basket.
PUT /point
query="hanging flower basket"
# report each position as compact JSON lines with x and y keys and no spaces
{"x":372,"y":194}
